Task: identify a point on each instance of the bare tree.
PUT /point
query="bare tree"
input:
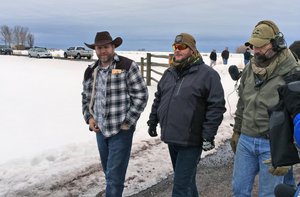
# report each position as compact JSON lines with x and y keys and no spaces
{"x":30,"y":39}
{"x":17,"y":39}
{"x":20,"y":36}
{"x":23,"y":35}
{"x":6,"y":34}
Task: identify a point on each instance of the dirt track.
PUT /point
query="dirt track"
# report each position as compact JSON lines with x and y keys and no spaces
{"x":213,"y":177}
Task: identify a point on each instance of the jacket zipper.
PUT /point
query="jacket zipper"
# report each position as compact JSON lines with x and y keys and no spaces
{"x":259,"y":88}
{"x":179,"y":86}
{"x":176,"y":81}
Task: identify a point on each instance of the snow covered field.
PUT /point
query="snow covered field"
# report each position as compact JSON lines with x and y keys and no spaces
{"x":46,"y":148}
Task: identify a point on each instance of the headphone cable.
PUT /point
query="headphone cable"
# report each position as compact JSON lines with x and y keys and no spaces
{"x":235,"y":90}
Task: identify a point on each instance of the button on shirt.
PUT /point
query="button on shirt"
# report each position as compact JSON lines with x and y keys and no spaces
{"x":100,"y":97}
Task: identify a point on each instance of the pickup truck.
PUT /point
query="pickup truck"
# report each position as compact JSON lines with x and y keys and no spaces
{"x":78,"y":52}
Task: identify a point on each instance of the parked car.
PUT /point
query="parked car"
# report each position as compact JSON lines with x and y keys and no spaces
{"x":5,"y":50}
{"x":78,"y":52}
{"x":39,"y":52}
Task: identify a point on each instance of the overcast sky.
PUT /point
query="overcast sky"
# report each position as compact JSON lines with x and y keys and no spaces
{"x":151,"y":25}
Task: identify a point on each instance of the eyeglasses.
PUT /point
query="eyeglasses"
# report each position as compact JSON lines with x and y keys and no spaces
{"x":179,"y":46}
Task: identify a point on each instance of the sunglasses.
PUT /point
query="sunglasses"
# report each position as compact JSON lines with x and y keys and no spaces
{"x":179,"y":46}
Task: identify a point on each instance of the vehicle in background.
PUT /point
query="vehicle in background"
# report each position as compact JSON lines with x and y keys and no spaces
{"x":39,"y":52}
{"x":78,"y":52}
{"x":5,"y":50}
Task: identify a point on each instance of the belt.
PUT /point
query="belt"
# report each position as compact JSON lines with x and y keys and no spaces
{"x":265,"y":135}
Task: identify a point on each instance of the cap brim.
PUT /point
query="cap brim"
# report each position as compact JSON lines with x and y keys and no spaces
{"x":257,"y":42}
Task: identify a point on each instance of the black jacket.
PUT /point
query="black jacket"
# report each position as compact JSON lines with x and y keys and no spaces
{"x":247,"y":55}
{"x":225,"y":54}
{"x":213,"y":56}
{"x":188,"y":105}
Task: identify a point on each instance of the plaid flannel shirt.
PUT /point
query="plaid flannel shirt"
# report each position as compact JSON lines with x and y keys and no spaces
{"x":126,"y":97}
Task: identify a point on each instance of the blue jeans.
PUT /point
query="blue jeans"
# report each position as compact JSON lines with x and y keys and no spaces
{"x":114,"y":153}
{"x":225,"y":61}
{"x":289,"y":178}
{"x":248,"y":162}
{"x":184,"y":160}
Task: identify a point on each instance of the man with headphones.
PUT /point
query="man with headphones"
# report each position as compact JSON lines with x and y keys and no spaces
{"x":271,"y":62}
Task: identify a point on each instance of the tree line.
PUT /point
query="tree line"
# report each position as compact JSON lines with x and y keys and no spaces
{"x":17,"y":37}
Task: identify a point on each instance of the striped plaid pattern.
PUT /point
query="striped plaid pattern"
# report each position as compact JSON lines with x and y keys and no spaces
{"x":100,"y":97}
{"x":126,"y":98}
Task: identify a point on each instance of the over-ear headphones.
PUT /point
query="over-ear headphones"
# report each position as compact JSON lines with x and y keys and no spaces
{"x":278,"y":41}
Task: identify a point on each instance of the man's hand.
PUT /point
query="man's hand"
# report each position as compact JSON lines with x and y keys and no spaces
{"x":152,"y":131}
{"x":93,"y":125}
{"x":152,"y":128}
{"x":125,"y":126}
{"x":279,"y":171}
{"x":234,"y":141}
{"x":208,"y":144}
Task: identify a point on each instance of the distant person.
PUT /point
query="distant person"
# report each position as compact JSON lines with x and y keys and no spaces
{"x":225,"y":56}
{"x":114,"y":95}
{"x":257,"y":94}
{"x":213,"y":58}
{"x":189,"y":106}
{"x":247,"y":56}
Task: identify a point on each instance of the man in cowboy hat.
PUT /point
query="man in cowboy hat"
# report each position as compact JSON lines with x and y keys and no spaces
{"x":114,"y":95}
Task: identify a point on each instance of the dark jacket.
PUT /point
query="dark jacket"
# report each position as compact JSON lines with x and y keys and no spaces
{"x":282,"y":129}
{"x":189,"y":105}
{"x":213,"y":56}
{"x":225,"y":54}
{"x":247,"y":55}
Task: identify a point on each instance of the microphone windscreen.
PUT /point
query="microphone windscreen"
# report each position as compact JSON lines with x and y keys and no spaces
{"x":284,"y":190}
{"x":234,"y":72}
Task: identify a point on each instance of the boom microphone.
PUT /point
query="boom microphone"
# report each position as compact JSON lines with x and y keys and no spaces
{"x":283,"y":190}
{"x":234,"y":72}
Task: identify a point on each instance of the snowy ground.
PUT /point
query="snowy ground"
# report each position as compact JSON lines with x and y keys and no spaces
{"x":45,"y":146}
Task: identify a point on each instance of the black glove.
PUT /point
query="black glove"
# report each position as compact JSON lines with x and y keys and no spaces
{"x":290,"y":94}
{"x":208,"y":144}
{"x":152,"y":128}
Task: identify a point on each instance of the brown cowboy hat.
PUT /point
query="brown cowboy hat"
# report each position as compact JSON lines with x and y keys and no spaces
{"x":103,"y":38}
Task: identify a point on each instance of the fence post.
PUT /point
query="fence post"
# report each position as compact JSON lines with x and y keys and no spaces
{"x":148,"y":69}
{"x":171,"y":55}
{"x":142,"y":66}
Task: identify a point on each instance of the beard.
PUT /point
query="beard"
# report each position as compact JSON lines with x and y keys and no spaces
{"x":260,"y":58}
{"x":263,"y":58}
{"x":106,"y":58}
